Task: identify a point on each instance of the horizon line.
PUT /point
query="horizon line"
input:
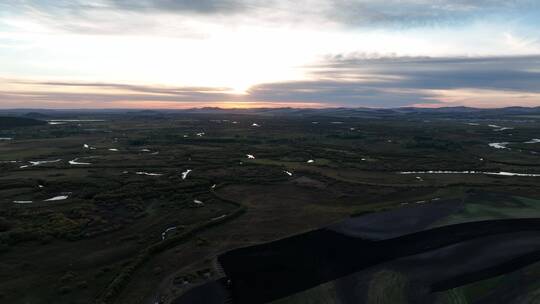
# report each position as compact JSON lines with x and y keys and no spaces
{"x":266,"y":108}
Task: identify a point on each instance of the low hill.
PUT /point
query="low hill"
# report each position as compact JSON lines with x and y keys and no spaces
{"x":13,"y":122}
{"x":37,"y":115}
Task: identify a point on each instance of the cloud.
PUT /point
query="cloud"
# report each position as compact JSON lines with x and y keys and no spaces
{"x":198,"y":6}
{"x":103,"y":47}
{"x":106,"y":92}
{"x":341,"y":80}
{"x":101,"y":18}
{"x":518,"y":73}
{"x":413,"y":13}
{"x":54,"y":94}
{"x":79,"y":15}
{"x":83,"y":8}
{"x":130,"y":87}
{"x":339,"y":93}
{"x":355,"y":80}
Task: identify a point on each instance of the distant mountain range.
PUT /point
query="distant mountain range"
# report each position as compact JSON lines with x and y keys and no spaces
{"x":463,"y":112}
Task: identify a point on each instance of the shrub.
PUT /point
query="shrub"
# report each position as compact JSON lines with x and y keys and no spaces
{"x":5,"y":225}
{"x":82,"y":284}
{"x":67,"y":277}
{"x":157,"y":270}
{"x":4,"y":247}
{"x":64,"y":289}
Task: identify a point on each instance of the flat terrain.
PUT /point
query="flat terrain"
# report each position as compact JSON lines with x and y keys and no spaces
{"x":134,"y":207}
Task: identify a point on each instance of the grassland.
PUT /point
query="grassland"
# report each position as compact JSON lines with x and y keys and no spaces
{"x":131,"y":189}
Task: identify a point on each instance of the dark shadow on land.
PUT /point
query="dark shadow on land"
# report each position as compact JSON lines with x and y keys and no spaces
{"x":267,"y":272}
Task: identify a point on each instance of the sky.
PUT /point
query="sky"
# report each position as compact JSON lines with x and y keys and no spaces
{"x":271,"y":53}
